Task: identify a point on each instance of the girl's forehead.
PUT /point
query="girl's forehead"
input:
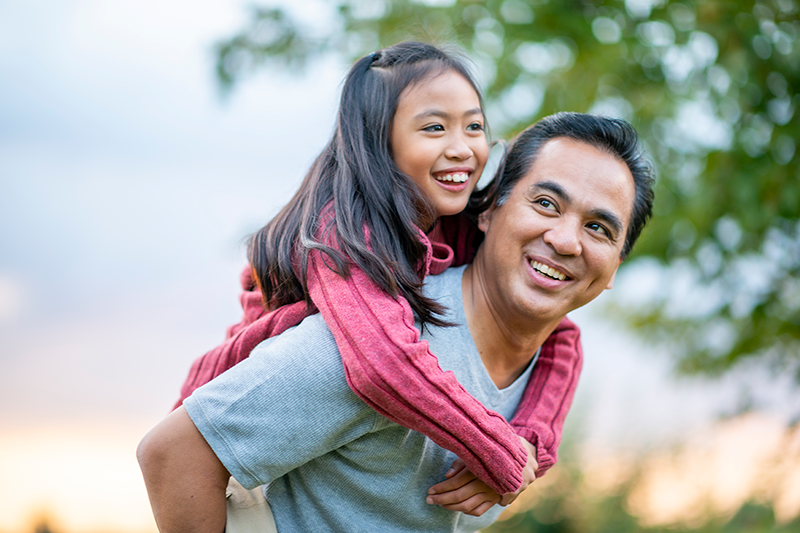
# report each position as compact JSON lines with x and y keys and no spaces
{"x":439,"y":83}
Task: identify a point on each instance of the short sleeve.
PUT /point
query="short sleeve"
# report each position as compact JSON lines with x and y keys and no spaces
{"x":285,"y":405}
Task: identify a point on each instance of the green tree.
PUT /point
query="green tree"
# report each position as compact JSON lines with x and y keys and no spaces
{"x":711,"y":86}
{"x":566,"y":508}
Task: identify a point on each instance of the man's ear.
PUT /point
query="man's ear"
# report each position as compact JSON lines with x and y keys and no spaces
{"x":614,"y":275}
{"x":484,"y":219}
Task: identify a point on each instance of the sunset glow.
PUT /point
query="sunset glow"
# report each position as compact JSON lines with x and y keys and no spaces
{"x":78,"y":479}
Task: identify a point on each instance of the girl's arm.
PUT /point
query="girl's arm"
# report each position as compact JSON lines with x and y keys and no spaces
{"x":548,"y":395}
{"x":394,"y":373}
{"x":468,"y":425}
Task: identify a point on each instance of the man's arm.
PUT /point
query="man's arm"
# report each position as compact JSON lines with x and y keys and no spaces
{"x":185,"y":480}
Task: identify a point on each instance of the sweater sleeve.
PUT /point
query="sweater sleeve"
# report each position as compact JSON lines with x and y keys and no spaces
{"x":388,"y":366}
{"x":548,"y":395}
{"x":551,"y":388}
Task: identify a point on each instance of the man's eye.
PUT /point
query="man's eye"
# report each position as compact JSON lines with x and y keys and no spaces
{"x":599,"y":228}
{"x":547,"y":204}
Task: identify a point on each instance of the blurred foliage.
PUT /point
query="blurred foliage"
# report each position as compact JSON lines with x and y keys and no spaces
{"x":43,"y":527}
{"x":567,"y":507}
{"x":711,"y":86}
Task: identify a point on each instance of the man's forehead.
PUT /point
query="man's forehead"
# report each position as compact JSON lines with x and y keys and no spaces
{"x":577,"y":170}
{"x":564,"y":153}
{"x":553,"y":151}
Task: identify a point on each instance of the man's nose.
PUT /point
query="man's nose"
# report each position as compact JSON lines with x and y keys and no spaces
{"x":565,"y":236}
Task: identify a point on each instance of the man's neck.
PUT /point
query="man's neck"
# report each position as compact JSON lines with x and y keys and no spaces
{"x":505,"y":343}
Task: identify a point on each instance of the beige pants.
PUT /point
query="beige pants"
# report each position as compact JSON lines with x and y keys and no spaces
{"x":248,"y":510}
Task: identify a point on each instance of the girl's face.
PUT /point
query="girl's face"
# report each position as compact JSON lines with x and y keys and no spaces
{"x":438,"y":140}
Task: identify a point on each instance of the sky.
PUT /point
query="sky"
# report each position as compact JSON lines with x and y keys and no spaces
{"x":127,"y":187}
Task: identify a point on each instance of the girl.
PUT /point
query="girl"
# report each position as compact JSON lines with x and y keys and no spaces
{"x":408,"y":148}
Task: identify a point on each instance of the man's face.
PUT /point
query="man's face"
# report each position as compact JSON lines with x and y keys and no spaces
{"x":555,"y":244}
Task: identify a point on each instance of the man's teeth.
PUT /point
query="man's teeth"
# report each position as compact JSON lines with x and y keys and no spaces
{"x":456,"y":177}
{"x":547,"y":271}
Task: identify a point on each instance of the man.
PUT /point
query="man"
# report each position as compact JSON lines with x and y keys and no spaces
{"x":574,"y":194}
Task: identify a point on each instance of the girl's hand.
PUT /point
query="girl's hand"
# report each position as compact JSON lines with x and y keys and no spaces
{"x":462,"y":491}
{"x":528,"y":473}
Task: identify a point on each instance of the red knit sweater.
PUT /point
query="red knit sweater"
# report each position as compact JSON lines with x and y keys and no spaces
{"x":394,"y":372}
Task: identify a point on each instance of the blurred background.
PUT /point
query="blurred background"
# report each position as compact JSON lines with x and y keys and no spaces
{"x":141,"y":142}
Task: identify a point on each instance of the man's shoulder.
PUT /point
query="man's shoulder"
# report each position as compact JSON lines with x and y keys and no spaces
{"x":446,"y":287}
{"x":306,"y":354}
{"x":312,"y":335}
{"x":286,"y":404}
{"x":302,"y":361}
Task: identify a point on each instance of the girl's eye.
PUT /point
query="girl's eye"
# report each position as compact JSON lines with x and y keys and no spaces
{"x":434,"y":127}
{"x":599,"y":228}
{"x":475,"y":126}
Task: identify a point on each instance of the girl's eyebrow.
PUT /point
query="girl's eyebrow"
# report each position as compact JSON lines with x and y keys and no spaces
{"x":445,"y":115}
{"x":598,"y":212}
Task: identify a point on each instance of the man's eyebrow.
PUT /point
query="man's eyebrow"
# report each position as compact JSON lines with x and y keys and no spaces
{"x":609,"y":218}
{"x":603,"y":214}
{"x":551,"y":186}
{"x":445,"y":115}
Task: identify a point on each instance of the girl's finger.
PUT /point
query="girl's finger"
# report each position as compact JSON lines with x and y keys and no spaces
{"x":482,"y":508}
{"x":475,"y":505}
{"x":457,"y":481}
{"x":457,"y":466}
{"x":475,"y":488}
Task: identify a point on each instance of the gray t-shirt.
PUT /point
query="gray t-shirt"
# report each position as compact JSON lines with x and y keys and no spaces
{"x":286,"y":416}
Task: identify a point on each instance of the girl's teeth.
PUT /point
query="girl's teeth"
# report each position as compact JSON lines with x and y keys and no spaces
{"x":459,"y":177}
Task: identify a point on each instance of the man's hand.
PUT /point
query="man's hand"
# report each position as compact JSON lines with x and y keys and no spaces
{"x":463,"y":491}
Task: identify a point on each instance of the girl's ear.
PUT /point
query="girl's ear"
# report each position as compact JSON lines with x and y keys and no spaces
{"x":484,"y":219}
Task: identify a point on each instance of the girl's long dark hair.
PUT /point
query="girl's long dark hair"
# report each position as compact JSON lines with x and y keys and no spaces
{"x":356,"y":176}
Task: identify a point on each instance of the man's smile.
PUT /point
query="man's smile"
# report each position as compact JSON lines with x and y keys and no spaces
{"x":550,"y":272}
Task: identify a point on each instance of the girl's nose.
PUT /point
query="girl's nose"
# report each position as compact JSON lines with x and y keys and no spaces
{"x":458,"y":149}
{"x":565,"y":237}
